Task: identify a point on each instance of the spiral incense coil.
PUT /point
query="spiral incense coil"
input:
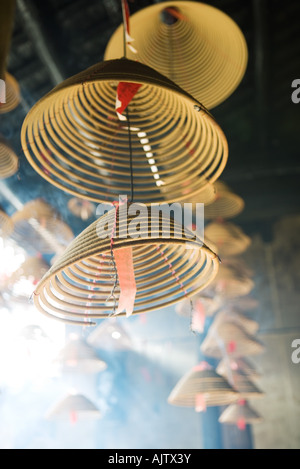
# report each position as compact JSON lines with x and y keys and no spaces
{"x":83,"y":209}
{"x":78,"y":356}
{"x":248,"y":324}
{"x":196,"y":45}
{"x":240,"y":412}
{"x":110,"y":335}
{"x":23,"y":281}
{"x":12,"y":92}
{"x":239,"y":363}
{"x":209,"y":305}
{"x":205,"y":196}
{"x":229,"y":239}
{"x":33,"y":268}
{"x":79,"y":284}
{"x":238,"y":267}
{"x":9,"y":162}
{"x":229,"y":285}
{"x":74,"y":139}
{"x":6,"y":224}
{"x":242,"y":303}
{"x":39,"y":224}
{"x":74,"y":406}
{"x":215,"y":389}
{"x":226,"y":204}
{"x":228,"y":338}
{"x":242,"y":384}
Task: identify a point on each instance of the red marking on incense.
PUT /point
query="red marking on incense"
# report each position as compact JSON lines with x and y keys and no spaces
{"x":73,"y":417}
{"x":241,"y":423}
{"x":172,"y":270}
{"x":125,"y":269}
{"x":200,"y":403}
{"x":177,"y":14}
{"x":231,"y":347}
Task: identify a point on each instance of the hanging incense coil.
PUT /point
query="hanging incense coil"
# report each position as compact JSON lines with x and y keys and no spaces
{"x":238,"y":363}
{"x":23,"y":281}
{"x":81,"y":208}
{"x":205,"y":196}
{"x":216,"y":391}
{"x":12,"y":94}
{"x":226,"y":204}
{"x":228,"y":338}
{"x":38,"y":224}
{"x":242,"y":384}
{"x":9,"y":162}
{"x":74,"y":139}
{"x":6,"y":225}
{"x":242,"y":303}
{"x":196,"y":45}
{"x":240,"y":412}
{"x":9,"y":88}
{"x":32,"y":267}
{"x":238,"y":267}
{"x":229,"y":239}
{"x":78,"y":286}
{"x":78,"y":356}
{"x":248,"y":324}
{"x":209,"y":305}
{"x":74,"y":406}
{"x":228,"y":285}
{"x":111,"y":335}
{"x":33,"y":333}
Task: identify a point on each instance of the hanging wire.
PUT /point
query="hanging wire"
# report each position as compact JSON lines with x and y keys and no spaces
{"x":191,"y":317}
{"x":114,"y":275}
{"x":130,"y":157}
{"x":124,"y":27}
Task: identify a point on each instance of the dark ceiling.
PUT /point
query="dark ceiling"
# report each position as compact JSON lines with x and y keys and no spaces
{"x":53,"y":40}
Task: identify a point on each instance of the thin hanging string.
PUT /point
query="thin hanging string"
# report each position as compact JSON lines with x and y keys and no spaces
{"x":191,"y":316}
{"x":130,"y":157}
{"x":113,"y":262}
{"x":123,"y":2}
{"x":124,"y":27}
{"x":114,"y":275}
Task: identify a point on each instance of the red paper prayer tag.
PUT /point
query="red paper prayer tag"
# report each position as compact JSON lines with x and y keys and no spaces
{"x":143,"y":318}
{"x":73,"y":417}
{"x":231,"y":347}
{"x":200,"y":404}
{"x":198,"y":318}
{"x":145,"y":373}
{"x":202,"y":366}
{"x":125,"y":93}
{"x":234,"y":365}
{"x":126,"y":15}
{"x":125,"y":269}
{"x":241,"y":423}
